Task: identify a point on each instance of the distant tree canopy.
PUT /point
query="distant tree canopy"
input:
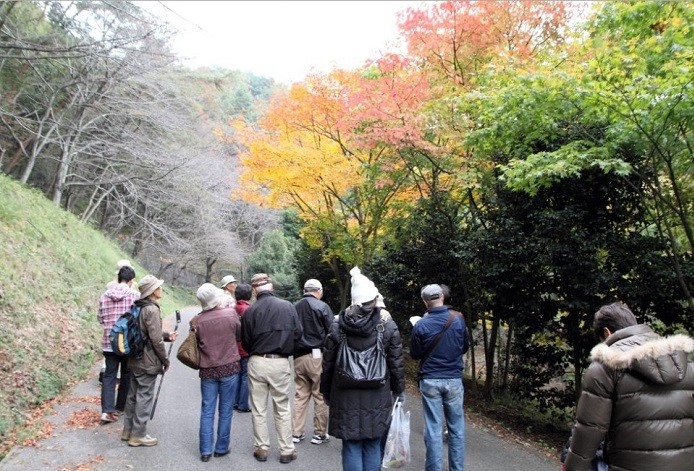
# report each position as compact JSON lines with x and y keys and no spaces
{"x":97,"y":116}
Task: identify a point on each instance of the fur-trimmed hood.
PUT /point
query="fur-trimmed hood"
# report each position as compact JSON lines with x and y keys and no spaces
{"x":662,"y":360}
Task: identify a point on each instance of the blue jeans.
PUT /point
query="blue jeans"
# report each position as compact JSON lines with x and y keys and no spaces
{"x":362,"y":455}
{"x":443,"y":399}
{"x":242,"y":390}
{"x":225,"y":390}
{"x":109,"y":403}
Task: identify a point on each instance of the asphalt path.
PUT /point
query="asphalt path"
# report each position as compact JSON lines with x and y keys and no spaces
{"x":76,"y":446}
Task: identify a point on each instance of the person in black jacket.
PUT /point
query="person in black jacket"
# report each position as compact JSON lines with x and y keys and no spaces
{"x":270,"y":328}
{"x":316,"y":318}
{"x":361,"y":417}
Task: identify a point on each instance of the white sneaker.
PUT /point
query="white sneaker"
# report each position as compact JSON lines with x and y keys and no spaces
{"x":319,"y":439}
{"x":298,"y":438}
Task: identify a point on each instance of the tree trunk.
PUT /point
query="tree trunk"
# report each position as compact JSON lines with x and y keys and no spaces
{"x":489,"y":353}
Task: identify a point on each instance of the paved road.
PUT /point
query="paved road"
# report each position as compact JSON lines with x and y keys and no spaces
{"x":97,"y":448}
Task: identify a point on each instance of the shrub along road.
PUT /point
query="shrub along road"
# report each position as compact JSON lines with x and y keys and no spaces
{"x":78,"y":443}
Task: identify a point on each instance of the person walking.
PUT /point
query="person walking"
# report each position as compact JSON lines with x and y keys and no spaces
{"x":316,"y":318}
{"x":439,"y":340}
{"x":270,"y":328}
{"x":243,"y":294}
{"x":637,"y":395}
{"x":361,"y":417}
{"x":144,"y":370}
{"x":219,"y":369}
{"x":112,"y":304}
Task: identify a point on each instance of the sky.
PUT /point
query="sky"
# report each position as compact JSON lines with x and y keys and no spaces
{"x":284,"y":40}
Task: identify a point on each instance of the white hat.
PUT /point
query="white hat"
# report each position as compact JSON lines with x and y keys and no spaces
{"x":363,"y":289}
{"x":209,"y":296}
{"x":148,"y":285}
{"x":228,"y":279}
{"x":431,"y":292}
{"x":312,"y":285}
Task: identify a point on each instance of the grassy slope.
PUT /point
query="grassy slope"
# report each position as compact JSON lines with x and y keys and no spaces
{"x":53,"y":271}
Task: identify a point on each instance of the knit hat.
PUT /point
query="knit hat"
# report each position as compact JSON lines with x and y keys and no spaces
{"x":380,"y":301}
{"x":431,"y":292}
{"x":209,"y":296}
{"x":148,"y":285}
{"x":227,"y":279}
{"x":260,"y":279}
{"x":312,"y":285}
{"x":363,"y":289}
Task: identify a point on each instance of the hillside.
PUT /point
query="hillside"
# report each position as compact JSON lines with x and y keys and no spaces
{"x":53,"y":271}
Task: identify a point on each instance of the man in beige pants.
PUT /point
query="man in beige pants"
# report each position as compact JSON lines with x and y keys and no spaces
{"x":269,"y":329}
{"x":316,"y":318}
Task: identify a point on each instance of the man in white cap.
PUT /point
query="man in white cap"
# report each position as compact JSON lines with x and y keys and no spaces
{"x":316,"y":318}
{"x":439,"y":341}
{"x":269,"y":330}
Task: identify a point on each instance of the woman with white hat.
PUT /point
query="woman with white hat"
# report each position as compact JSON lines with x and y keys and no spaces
{"x":219,"y":368}
{"x":144,"y":370}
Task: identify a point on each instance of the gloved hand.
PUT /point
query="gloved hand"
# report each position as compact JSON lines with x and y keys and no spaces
{"x":400,"y":398}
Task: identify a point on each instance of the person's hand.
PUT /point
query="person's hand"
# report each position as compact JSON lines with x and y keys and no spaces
{"x":400,"y":398}
{"x":173,"y":336}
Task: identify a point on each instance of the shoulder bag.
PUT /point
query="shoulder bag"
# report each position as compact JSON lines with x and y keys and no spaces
{"x":361,"y":369}
{"x":188,"y":353}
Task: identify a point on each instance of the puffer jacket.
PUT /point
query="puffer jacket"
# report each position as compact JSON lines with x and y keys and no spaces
{"x":638,"y":395}
{"x":359,"y":414}
{"x":154,"y":358}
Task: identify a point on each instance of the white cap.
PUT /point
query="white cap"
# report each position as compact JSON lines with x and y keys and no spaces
{"x":228,"y":279}
{"x":312,"y":285}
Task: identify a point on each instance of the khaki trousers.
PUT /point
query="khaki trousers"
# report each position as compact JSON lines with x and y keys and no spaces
{"x":270,"y":377}
{"x":307,"y":371}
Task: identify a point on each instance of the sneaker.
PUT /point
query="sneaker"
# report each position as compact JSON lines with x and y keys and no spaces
{"x":319,"y":439}
{"x":142,"y":441}
{"x":260,"y":454}
{"x":288,"y":458}
{"x":108,"y":417}
{"x":298,"y":438}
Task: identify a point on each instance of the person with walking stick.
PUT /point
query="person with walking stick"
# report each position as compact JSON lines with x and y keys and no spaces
{"x":144,"y":370}
{"x":168,"y":355}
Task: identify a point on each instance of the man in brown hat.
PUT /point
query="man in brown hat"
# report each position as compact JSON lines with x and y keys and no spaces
{"x":269,"y":330}
{"x":144,"y":370}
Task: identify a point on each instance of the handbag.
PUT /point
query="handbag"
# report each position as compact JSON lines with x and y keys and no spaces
{"x":396,"y":453}
{"x":361,"y":369}
{"x":188,"y":353}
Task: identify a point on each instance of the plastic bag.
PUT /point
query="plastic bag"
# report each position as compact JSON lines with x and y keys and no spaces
{"x":397,"y":451}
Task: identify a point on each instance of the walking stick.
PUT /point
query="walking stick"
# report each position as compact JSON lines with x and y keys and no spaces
{"x":156,"y":398}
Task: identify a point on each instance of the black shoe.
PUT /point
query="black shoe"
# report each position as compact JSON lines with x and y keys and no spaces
{"x":243,"y":410}
{"x":219,"y":455}
{"x":205,"y":458}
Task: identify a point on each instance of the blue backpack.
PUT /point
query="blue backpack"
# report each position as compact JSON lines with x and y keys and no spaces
{"x":127,"y":339}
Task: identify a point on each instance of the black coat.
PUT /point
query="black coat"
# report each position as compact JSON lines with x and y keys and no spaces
{"x":359,"y":414}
